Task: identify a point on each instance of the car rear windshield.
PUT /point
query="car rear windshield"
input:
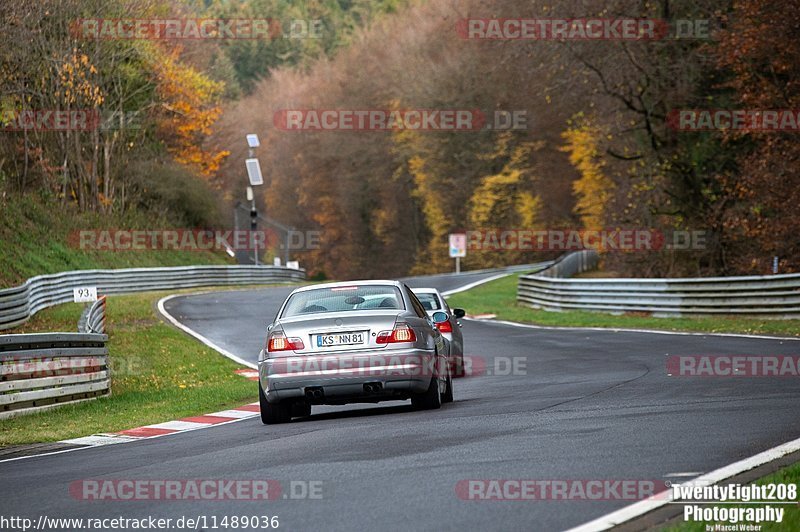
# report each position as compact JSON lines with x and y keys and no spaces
{"x":429,"y":301}
{"x":344,"y":299}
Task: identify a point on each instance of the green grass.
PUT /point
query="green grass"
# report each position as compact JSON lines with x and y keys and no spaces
{"x":499,"y":297}
{"x":158,"y":374}
{"x":35,"y":240}
{"x":791,"y":516}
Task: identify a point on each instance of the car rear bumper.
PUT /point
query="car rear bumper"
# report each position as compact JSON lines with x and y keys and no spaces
{"x":339,"y":378}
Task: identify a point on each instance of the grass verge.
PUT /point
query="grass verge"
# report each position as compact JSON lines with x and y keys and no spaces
{"x":499,"y":298}
{"x":791,"y":517}
{"x":158,"y":374}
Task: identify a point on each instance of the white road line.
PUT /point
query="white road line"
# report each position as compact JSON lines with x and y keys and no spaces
{"x":234,"y":414}
{"x":662,"y":499}
{"x":476,"y":283}
{"x":177,"y":425}
{"x":647,"y":331}
{"x":100,"y":439}
{"x":203,"y":339}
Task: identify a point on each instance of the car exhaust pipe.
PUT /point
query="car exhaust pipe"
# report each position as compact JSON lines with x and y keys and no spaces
{"x":314,"y":393}
{"x":373,"y":387}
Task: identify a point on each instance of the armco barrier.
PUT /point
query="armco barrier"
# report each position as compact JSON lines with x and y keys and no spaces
{"x":93,"y":318}
{"x":571,"y":264}
{"x":18,"y":304}
{"x":41,"y":371}
{"x":774,"y":296}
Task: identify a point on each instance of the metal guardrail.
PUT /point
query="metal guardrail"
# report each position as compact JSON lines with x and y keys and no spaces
{"x":19,"y":303}
{"x":93,"y":318}
{"x":774,"y":296}
{"x":571,"y":264}
{"x":42,"y":371}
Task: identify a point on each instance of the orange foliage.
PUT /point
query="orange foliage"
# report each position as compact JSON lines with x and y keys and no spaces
{"x":190,"y":101}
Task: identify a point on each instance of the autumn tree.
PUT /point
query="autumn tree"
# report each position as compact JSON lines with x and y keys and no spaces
{"x":593,"y":189}
{"x":760,"y":49}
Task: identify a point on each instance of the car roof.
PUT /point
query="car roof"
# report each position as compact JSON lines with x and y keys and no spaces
{"x":371,"y":282}
{"x":425,"y":291}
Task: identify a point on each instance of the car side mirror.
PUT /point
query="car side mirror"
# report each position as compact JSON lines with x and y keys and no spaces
{"x":459,"y":312}
{"x":440,"y":317}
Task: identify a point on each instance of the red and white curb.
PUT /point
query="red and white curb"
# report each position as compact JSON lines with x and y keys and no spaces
{"x":170,"y":427}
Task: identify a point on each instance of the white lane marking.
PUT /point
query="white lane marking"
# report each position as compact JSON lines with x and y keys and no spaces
{"x":646,"y":331}
{"x":176,"y":425}
{"x":687,"y":474}
{"x":662,"y":499}
{"x":203,"y":339}
{"x":100,"y":439}
{"x":533,"y":267}
{"x":476,"y":283}
{"x":234,"y":414}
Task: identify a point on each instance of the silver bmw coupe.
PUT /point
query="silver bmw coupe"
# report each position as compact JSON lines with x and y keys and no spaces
{"x":351,"y":342}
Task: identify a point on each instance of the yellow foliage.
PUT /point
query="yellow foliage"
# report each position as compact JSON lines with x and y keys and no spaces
{"x":75,"y":86}
{"x":190,"y":100}
{"x":593,"y":189}
{"x":501,"y":200}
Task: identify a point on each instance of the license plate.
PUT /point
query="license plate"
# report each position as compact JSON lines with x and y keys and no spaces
{"x":351,"y":338}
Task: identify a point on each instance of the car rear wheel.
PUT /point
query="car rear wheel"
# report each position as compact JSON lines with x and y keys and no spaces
{"x":429,"y":399}
{"x":272,"y":414}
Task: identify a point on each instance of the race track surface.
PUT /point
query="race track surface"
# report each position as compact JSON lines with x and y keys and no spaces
{"x":587,"y":405}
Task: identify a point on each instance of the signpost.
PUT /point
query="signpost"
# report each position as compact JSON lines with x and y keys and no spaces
{"x":458,"y":248}
{"x":254,"y":175}
{"x":84,"y":294}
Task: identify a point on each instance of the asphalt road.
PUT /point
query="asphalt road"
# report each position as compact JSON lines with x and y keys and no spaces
{"x":588,"y":405}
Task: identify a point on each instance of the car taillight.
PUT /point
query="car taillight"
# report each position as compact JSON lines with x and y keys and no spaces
{"x":401,"y":333}
{"x":445,"y":326}
{"x":279,"y":342}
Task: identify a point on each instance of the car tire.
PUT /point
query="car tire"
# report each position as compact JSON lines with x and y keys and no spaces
{"x":301,"y":409}
{"x":272,"y":413}
{"x":430,"y":399}
{"x":447,"y":396}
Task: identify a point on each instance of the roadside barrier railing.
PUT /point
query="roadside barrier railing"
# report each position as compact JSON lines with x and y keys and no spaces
{"x":43,"y":371}
{"x":773,"y":296}
{"x":19,"y":303}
